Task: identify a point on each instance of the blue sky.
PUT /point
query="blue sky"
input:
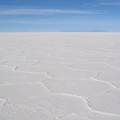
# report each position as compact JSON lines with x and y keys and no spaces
{"x":59,"y":15}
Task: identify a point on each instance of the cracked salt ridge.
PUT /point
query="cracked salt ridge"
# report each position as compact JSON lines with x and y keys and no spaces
{"x":80,"y":96}
{"x":72,"y":74}
{"x":72,"y":116}
{"x":112,"y":76}
{"x":80,"y":87}
{"x":52,"y":107}
{"x":39,"y":69}
{"x":112,"y":85}
{"x":89,"y":60}
{"x":25,"y":58}
{"x":97,"y":67}
{"x":2,"y":62}
{"x":43,"y":64}
{"x":18,"y":91}
{"x":2,"y":102}
{"x":85,"y":44}
{"x":110,"y":102}
{"x":18,"y":63}
{"x":88,"y":107}
{"x":37,"y":108}
{"x":10,"y":57}
{"x":44,"y":58}
{"x":58,"y":72}
{"x":34,"y":72}
{"x":13,"y":77}
{"x":115,"y":65}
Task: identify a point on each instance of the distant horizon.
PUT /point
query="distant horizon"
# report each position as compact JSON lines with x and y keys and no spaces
{"x":59,"y":16}
{"x":60,"y":32}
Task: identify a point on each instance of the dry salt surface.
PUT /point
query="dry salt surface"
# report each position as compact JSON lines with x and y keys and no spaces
{"x":60,"y":76}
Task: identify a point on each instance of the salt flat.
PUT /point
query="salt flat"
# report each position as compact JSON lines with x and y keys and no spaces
{"x":60,"y":76}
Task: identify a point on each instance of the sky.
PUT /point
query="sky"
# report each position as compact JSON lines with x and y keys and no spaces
{"x":60,"y":16}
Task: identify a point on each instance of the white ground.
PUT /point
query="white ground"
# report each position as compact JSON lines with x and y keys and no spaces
{"x":59,"y":76}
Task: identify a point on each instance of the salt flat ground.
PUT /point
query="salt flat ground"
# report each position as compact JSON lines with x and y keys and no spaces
{"x":60,"y":76}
